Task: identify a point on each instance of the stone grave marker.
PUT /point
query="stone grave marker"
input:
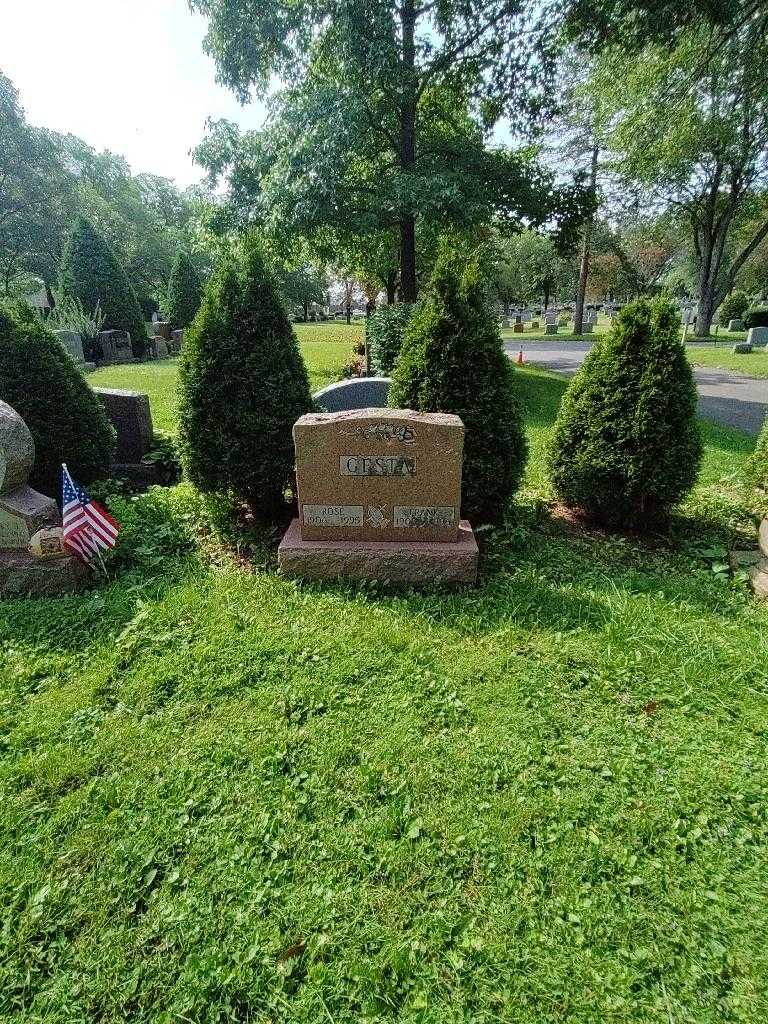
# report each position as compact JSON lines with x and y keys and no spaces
{"x":355,"y":393}
{"x":757,"y":337}
{"x":379,"y":496}
{"x":130,"y":415}
{"x":735,"y":325}
{"x":24,"y":513}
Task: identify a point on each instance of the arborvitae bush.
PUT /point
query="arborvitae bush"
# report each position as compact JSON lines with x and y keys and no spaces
{"x":242,"y":386}
{"x":453,"y":360}
{"x":626,"y":445}
{"x":185,"y":292}
{"x":40,"y":380}
{"x":733,"y":308}
{"x":91,"y":273}
{"x":384,"y":333}
{"x":758,"y":463}
{"x":756,"y":316}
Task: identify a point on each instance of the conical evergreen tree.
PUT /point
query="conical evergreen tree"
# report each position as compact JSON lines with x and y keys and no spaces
{"x":185,"y":292}
{"x":40,"y":380}
{"x":91,"y":273}
{"x":242,"y":386}
{"x":626,"y":445}
{"x":452,"y":360}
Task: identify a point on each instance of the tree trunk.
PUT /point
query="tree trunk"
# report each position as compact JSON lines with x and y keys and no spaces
{"x":705,"y":311}
{"x":306,"y":312}
{"x":547,"y":291}
{"x":349,"y":314}
{"x":578,"y":313}
{"x":408,"y":282}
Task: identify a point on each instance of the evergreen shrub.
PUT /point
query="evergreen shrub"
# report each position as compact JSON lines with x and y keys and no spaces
{"x":453,"y":360}
{"x":756,"y":316}
{"x":185,"y":293}
{"x":384,"y":333}
{"x":40,"y":380}
{"x":626,"y":445}
{"x":90,"y":273}
{"x":733,"y":308}
{"x":242,"y":386}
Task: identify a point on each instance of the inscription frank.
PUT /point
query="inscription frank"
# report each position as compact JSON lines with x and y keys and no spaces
{"x":421,"y":516}
{"x":371,"y":465}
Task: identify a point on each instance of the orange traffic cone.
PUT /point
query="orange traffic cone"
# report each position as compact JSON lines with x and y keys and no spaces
{"x":520,"y":360}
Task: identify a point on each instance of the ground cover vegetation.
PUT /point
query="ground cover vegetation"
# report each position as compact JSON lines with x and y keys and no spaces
{"x":542,"y":800}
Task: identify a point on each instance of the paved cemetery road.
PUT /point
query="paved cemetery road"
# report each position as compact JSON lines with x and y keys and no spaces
{"x":728,"y":398}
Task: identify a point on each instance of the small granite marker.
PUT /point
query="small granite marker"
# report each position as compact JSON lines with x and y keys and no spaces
{"x":379,"y":494}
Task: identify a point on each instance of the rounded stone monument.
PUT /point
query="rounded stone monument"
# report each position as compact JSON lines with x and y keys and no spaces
{"x":25,"y":568}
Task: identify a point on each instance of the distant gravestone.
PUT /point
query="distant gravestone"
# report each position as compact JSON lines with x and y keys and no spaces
{"x":741,"y":348}
{"x":161,"y":347}
{"x":114,"y":347}
{"x":526,"y":316}
{"x":519,"y":327}
{"x":550,"y":317}
{"x":73,"y":344}
{"x":757,"y":337}
{"x":356,"y":393}
{"x":379,"y":495}
{"x":163,"y":329}
{"x":130,"y":415}
{"x":735,"y":325}
{"x":177,"y":340}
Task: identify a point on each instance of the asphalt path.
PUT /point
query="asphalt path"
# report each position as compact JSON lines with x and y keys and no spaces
{"x":728,"y":398}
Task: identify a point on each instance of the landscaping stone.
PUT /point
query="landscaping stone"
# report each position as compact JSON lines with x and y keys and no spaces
{"x":757,"y":337}
{"x":741,"y":348}
{"x":735,"y":325}
{"x":379,"y":474}
{"x":21,"y":574}
{"x":17,"y":450}
{"x":357,"y":393}
{"x":759,"y":578}
{"x":130,"y":414}
{"x":416,"y":563}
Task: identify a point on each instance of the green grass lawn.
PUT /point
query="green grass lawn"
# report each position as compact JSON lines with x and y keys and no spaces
{"x":325,"y":347}
{"x":720,"y":356}
{"x":232,"y":797}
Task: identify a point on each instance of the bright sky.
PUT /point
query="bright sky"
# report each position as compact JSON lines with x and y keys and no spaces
{"x":125,"y":75}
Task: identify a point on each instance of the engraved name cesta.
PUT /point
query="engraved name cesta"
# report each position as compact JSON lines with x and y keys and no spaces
{"x":377,"y":465}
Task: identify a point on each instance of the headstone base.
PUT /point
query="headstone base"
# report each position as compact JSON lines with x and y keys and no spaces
{"x":415,"y":563}
{"x":22,"y":575}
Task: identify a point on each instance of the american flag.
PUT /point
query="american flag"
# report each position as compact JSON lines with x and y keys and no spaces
{"x":87,"y":527}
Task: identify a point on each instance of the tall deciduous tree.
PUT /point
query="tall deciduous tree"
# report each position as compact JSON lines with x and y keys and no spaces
{"x":697,"y":145}
{"x":375,"y":114}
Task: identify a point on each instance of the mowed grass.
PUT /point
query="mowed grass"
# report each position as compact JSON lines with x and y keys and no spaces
{"x":326,"y":349}
{"x":721,"y":356}
{"x":232,"y":797}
